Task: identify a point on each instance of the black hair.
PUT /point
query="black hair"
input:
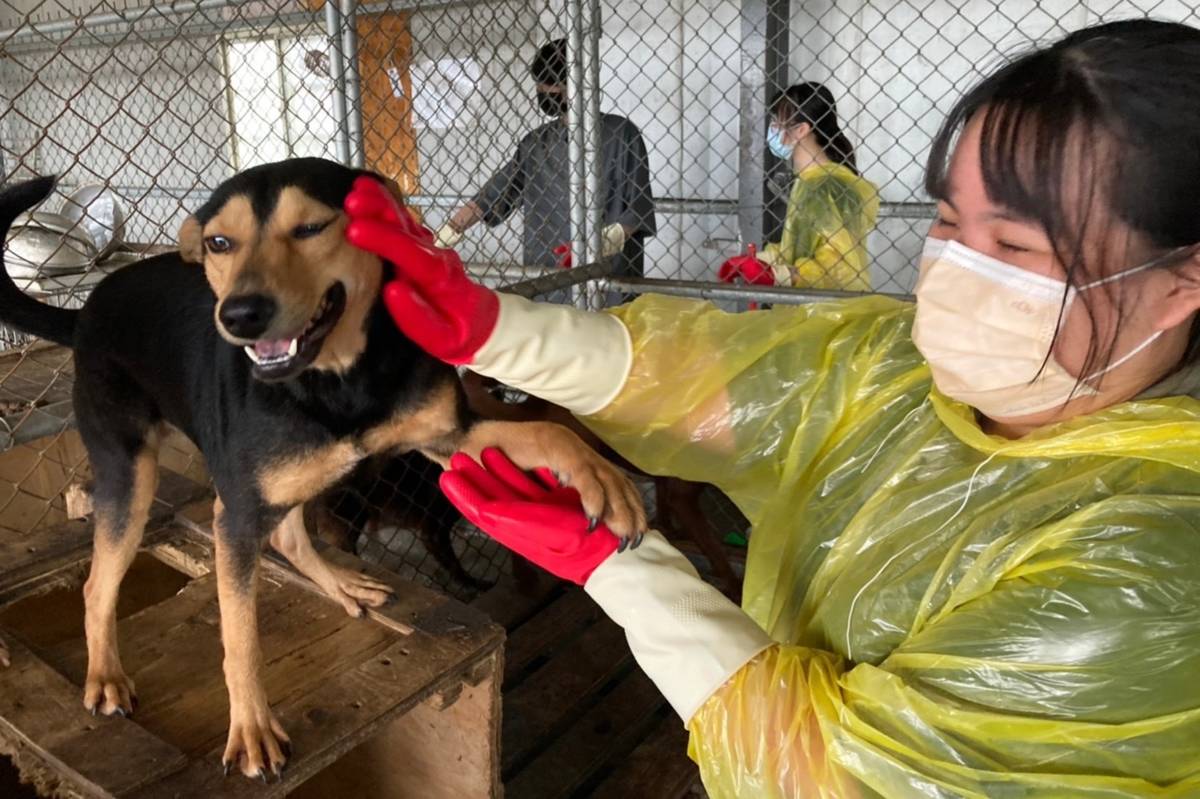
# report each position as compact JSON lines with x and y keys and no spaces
{"x":1108,"y":117}
{"x":813,"y":103}
{"x":550,"y":64}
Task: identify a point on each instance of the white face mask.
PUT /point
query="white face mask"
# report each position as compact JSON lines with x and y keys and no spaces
{"x":987,"y":328}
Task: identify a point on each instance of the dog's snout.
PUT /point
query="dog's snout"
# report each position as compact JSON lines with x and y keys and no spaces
{"x":247,"y":315}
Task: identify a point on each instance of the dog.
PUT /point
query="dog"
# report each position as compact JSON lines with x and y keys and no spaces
{"x":265,"y":341}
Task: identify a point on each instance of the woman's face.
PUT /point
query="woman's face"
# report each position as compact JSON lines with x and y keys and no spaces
{"x":1123,"y":313}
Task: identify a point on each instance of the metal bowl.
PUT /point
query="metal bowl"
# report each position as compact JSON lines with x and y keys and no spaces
{"x":41,"y":243}
{"x":96,"y":209}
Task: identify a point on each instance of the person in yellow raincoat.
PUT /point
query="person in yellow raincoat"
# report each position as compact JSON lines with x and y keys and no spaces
{"x":975,"y":561}
{"x":831,"y":208}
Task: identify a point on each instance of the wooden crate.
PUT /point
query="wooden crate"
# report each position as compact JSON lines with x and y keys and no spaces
{"x":402,"y":703}
{"x":580,"y":717}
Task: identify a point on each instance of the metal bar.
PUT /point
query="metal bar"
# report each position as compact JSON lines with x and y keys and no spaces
{"x":691,"y":205}
{"x":776,"y":67}
{"x":562,"y":279}
{"x":752,"y":120}
{"x":62,"y":34}
{"x":127,"y":18}
{"x":337,"y":70}
{"x":578,"y":129}
{"x":354,"y":120}
{"x":722,"y":291}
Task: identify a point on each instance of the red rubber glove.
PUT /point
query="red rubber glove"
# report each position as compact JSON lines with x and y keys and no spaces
{"x":431,"y":299}
{"x":542,"y":522}
{"x":563,"y":251}
{"x":748,"y":268}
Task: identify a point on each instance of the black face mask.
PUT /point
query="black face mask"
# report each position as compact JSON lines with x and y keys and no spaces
{"x":552,"y":104}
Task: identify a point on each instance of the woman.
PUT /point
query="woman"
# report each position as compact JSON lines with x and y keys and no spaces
{"x":976,"y":549}
{"x":831,"y":208}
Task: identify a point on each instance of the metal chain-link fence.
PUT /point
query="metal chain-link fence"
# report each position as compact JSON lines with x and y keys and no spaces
{"x":529,"y":133}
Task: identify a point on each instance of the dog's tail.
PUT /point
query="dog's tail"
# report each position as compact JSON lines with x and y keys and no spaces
{"x":17,"y":308}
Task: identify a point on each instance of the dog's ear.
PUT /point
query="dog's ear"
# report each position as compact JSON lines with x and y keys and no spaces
{"x":191,"y":241}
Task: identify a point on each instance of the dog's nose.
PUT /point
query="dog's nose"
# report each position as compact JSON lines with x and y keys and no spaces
{"x":247,"y":315}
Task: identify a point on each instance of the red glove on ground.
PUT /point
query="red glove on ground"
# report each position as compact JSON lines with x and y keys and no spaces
{"x":563,"y":251}
{"x":748,"y":268}
{"x":540,"y":521}
{"x":431,"y":299}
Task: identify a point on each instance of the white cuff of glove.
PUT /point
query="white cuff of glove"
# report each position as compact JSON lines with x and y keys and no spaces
{"x":781,"y":271}
{"x":577,"y":359}
{"x":612,"y":240}
{"x":686,"y":635}
{"x":448,"y":238}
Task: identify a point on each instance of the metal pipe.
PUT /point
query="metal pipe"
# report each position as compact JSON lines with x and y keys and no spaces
{"x":352,"y":83}
{"x":594,"y":192}
{"x":691,"y":205}
{"x":127,"y":18}
{"x":577,"y":128}
{"x":337,"y":70}
{"x":752,"y":120}
{"x":722,"y":291}
{"x":559,"y":280}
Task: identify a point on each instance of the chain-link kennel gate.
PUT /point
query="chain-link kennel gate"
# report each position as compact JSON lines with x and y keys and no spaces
{"x":159,"y":103}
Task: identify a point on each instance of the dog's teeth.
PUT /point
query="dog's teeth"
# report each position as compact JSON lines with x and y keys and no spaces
{"x":253,"y":355}
{"x":292,"y":348}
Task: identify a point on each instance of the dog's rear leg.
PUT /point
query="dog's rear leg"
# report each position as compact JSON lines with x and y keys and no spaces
{"x":125,"y":486}
{"x":354,"y":591}
{"x":257,"y":743}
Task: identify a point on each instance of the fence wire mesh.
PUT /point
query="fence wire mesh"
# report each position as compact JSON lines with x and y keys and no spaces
{"x":668,"y":108}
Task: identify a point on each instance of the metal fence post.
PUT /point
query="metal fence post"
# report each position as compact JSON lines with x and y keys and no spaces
{"x":354,"y":124}
{"x":337,"y":71}
{"x":584,"y":128}
{"x":751,"y":116}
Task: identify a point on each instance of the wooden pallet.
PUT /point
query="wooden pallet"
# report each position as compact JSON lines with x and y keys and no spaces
{"x":404,"y":703}
{"x":580,"y":718}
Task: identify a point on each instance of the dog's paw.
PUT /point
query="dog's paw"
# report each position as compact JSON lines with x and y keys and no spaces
{"x":353,"y":590}
{"x":257,"y":744}
{"x":109,"y":692}
{"x":607,"y":493}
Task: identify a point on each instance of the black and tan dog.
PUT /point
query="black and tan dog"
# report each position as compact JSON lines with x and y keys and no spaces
{"x":262,"y":339}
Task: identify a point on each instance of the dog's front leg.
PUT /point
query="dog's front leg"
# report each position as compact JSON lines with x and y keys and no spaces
{"x":257,"y":743}
{"x":352,"y":590}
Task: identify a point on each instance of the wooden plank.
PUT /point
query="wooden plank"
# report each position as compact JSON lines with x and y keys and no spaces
{"x":658,"y":767}
{"x":414,"y":606}
{"x":599,"y":739}
{"x":30,"y":558}
{"x":183,"y":553}
{"x":547,"y":700}
{"x":172,"y":652}
{"x":433,"y":752}
{"x":45,"y":619}
{"x":552,"y":628}
{"x":508,"y":605}
{"x":42,"y":712}
{"x":336,"y":716}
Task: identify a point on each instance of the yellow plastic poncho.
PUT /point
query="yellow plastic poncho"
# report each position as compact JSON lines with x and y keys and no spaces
{"x":957,"y":614}
{"x":830,"y":211}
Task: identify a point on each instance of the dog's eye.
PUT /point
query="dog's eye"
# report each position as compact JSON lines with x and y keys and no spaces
{"x":218,"y":244}
{"x":309,"y":230}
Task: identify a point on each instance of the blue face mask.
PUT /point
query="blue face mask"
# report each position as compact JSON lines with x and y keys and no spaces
{"x":776,"y":145}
